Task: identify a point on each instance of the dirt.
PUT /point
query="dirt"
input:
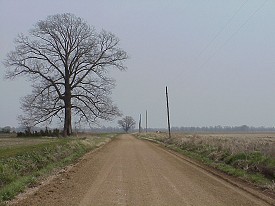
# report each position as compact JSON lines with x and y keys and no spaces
{"x":128,"y":171}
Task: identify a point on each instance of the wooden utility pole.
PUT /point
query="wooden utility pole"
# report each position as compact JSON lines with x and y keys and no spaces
{"x":146,"y":121}
{"x":168,"y":114}
{"x":139,"y":124}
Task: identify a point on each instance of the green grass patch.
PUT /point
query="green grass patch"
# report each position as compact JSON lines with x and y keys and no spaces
{"x":15,"y":187}
{"x":22,"y":166}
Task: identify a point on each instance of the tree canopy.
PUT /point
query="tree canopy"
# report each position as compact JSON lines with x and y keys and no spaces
{"x":67,"y":62}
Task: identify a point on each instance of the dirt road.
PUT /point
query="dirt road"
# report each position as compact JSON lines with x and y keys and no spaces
{"x":129,"y":171}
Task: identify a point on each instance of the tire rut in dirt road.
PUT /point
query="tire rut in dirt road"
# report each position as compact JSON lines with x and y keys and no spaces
{"x":128,"y":171}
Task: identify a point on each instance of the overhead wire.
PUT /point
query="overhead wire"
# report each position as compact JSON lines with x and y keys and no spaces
{"x":196,"y":59}
{"x":222,"y":28}
{"x":221,"y":31}
{"x":234,"y":33}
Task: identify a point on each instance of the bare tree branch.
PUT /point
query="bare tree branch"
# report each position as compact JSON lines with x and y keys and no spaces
{"x":68,"y":63}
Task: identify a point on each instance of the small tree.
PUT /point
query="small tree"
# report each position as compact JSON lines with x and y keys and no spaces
{"x":127,"y":123}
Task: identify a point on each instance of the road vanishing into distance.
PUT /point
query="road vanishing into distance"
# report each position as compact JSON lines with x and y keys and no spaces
{"x":129,"y":171}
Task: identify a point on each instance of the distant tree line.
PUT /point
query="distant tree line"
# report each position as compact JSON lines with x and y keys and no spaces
{"x":103,"y":129}
{"x":38,"y":132}
{"x":242,"y":128}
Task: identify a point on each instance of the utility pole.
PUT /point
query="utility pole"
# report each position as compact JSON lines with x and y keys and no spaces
{"x":146,"y":121}
{"x":139,"y":124}
{"x":168,"y":114}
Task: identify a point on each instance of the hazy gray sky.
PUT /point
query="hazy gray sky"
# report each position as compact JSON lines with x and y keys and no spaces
{"x":217,"y":57}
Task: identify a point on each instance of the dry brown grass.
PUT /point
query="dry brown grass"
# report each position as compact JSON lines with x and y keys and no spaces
{"x":232,"y":142}
{"x":250,"y":156}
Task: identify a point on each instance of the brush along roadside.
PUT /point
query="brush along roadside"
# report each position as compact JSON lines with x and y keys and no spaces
{"x":250,"y":159}
{"x":23,"y":166}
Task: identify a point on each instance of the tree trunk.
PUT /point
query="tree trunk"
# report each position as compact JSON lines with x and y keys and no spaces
{"x":68,"y":112}
{"x":68,"y":121}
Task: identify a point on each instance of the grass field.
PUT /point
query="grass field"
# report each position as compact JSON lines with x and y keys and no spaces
{"x":9,"y":142}
{"x":10,"y":145}
{"x":23,"y":161}
{"x":235,"y":142}
{"x":249,"y":156}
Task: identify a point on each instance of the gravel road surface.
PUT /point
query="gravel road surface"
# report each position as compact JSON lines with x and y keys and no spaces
{"x":128,"y":171}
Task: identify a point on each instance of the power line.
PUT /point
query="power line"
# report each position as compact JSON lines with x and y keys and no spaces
{"x":222,"y":29}
{"x":234,"y":33}
{"x":216,"y":36}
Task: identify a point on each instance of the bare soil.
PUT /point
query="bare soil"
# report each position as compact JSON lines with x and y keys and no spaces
{"x":128,"y":171}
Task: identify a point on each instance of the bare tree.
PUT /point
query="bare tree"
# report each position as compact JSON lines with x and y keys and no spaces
{"x":126,"y":123}
{"x":67,"y":62}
